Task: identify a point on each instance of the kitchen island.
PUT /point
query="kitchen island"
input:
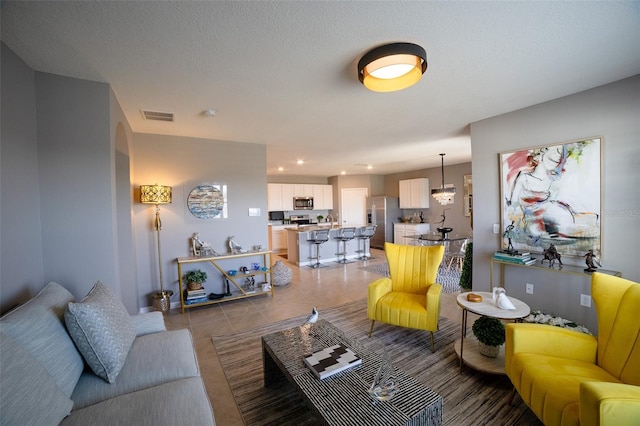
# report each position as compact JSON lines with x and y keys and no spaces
{"x":299,"y":249}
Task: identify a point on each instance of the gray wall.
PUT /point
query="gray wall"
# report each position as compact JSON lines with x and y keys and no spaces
{"x":76,"y":190}
{"x":68,"y":185}
{"x":184,"y":163}
{"x":373,"y":183}
{"x":58,"y":211}
{"x":453,"y":174}
{"x":611,"y":111}
{"x":21,"y":271}
{"x":121,"y":134}
{"x":67,"y":152}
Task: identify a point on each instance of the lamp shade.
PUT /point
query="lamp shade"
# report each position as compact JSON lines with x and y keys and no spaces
{"x":392,"y":67}
{"x":155,"y":194}
{"x":444,"y":195}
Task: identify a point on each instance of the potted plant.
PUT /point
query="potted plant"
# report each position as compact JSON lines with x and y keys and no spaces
{"x":195,"y":279}
{"x":467,"y":262}
{"x":319,"y":217}
{"x":490,"y":334}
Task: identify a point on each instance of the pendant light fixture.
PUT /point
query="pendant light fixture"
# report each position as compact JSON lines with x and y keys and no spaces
{"x":444,"y":195}
{"x":392,"y":67}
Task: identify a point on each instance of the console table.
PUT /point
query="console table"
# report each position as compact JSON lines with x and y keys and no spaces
{"x":239,"y":292}
{"x":566,"y":269}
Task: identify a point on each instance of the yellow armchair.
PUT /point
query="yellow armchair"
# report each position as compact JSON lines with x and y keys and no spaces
{"x":571,"y":378}
{"x":410,"y":297}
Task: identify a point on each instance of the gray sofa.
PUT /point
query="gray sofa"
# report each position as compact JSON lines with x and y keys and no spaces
{"x":49,"y":374}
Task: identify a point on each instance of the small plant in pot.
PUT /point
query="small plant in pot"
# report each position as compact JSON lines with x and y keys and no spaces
{"x":195,"y":279}
{"x":467,"y":263}
{"x":490,"y":334}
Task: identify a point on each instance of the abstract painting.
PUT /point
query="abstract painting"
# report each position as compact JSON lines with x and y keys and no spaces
{"x":208,"y":201}
{"x":551,"y":195}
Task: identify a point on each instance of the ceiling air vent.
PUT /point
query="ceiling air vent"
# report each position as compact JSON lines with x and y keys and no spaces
{"x":158,"y":116}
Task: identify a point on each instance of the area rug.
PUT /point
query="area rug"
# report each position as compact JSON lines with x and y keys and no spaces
{"x":448,"y":277}
{"x":470,"y":397}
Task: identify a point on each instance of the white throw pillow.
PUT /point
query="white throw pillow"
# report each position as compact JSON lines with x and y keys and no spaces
{"x":102,"y":330}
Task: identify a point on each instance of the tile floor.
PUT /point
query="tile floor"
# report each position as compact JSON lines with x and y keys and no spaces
{"x":324,"y":288}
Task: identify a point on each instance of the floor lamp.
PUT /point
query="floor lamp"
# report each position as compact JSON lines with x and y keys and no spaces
{"x":158,"y":194}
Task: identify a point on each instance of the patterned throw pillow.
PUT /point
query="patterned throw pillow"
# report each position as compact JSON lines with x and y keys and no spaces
{"x":102,"y":330}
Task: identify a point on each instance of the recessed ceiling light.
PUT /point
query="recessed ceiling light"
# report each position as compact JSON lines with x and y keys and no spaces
{"x":300,"y":162}
{"x":280,"y":168}
{"x":343,"y":172}
{"x":369,"y":167}
{"x":209,"y":112}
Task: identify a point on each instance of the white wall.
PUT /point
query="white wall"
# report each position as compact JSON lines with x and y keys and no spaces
{"x":611,"y":111}
{"x":183,"y":163}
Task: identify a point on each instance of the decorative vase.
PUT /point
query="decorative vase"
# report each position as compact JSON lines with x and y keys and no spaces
{"x":489,"y":351}
{"x":386,"y":384}
{"x":282,"y":274}
{"x":162,"y":301}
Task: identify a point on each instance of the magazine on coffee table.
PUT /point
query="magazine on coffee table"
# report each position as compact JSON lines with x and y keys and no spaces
{"x":331,"y":360}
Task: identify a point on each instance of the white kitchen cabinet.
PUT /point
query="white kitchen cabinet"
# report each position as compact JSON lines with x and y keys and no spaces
{"x":303,"y":190}
{"x":322,"y":197}
{"x":414,"y":193}
{"x":280,"y":196}
{"x":274,"y":197}
{"x":403,"y":230}
{"x":398,"y":233}
{"x":287,"y":197}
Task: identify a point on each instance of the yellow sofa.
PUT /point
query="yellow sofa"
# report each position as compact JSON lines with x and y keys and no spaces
{"x":571,"y":378}
{"x":410,"y":297}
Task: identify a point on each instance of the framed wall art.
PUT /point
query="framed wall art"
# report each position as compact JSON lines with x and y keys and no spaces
{"x":208,"y":201}
{"x":552,"y":195}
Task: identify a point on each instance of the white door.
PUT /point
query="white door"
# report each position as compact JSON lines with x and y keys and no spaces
{"x":353,"y":206}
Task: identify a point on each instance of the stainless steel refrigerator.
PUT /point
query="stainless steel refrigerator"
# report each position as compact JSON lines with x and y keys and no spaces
{"x":382,"y":211}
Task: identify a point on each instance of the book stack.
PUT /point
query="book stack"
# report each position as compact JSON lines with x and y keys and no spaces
{"x":332,"y":360}
{"x":515,"y":257}
{"x":195,"y":296}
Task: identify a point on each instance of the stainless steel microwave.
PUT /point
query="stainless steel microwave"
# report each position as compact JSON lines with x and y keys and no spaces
{"x":303,"y":203}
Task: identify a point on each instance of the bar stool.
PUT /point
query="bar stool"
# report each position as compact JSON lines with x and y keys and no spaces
{"x":364,"y":234}
{"x":318,"y":238}
{"x":344,"y":236}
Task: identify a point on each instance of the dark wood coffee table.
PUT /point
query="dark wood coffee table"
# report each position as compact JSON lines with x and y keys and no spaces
{"x":343,"y":399}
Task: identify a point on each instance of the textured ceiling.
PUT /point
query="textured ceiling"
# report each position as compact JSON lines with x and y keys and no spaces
{"x":283,"y":74}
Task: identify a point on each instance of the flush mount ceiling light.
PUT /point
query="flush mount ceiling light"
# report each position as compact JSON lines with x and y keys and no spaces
{"x":444,"y":195}
{"x":392,"y":67}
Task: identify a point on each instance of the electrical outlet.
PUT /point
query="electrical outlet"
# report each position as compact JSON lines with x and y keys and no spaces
{"x":585,"y":300}
{"x":496,"y":228}
{"x":529,"y":288}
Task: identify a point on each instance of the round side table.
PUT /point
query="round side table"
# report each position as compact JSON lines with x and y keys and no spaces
{"x":487,"y":308}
